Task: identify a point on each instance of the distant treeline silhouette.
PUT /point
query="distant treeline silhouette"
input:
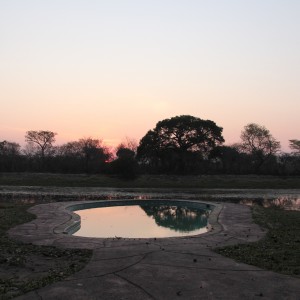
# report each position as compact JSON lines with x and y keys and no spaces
{"x":179,"y":145}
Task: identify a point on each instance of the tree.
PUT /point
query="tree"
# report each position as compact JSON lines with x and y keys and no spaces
{"x":295,"y":146}
{"x":128,"y":143}
{"x":94,"y":153}
{"x":9,"y":148}
{"x":85,"y":155}
{"x":125,"y":165}
{"x":178,"y":141}
{"x":227,"y":159}
{"x":9,"y":156}
{"x":258,"y":141}
{"x":42,"y":139}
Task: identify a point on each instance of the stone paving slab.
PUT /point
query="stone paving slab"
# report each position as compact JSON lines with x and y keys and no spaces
{"x":169,"y":268}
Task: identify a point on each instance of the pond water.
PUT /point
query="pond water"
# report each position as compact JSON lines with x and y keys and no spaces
{"x":142,"y":221}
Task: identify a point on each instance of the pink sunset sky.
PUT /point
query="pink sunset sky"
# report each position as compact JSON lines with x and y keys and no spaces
{"x":111,"y":69}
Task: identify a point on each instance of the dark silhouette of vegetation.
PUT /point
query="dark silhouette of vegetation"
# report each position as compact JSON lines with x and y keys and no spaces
{"x":177,"y":218}
{"x":87,"y":155}
{"x":183,"y":145}
{"x":295,"y":146}
{"x":259,"y":143}
{"x":229,"y":160}
{"x":43,"y":139}
{"x":125,"y":165}
{"x":175,"y":145}
{"x":41,"y":143}
{"x":10,"y":155}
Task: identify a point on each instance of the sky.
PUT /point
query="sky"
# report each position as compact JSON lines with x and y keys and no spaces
{"x":113,"y":69}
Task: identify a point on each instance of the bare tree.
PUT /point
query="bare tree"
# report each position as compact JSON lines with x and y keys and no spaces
{"x":42,"y":139}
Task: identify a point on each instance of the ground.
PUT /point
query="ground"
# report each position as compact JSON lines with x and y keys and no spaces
{"x":120,"y":266}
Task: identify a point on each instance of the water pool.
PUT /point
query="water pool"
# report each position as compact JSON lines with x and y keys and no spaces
{"x":142,"y":219}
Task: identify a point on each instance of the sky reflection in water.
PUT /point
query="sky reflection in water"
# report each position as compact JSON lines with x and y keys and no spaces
{"x":142,"y":221}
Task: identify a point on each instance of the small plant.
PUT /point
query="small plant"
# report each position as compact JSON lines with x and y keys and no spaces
{"x":50,"y":264}
{"x":279,"y":250}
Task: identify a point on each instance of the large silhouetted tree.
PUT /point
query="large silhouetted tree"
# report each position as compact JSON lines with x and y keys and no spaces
{"x":179,"y":141}
{"x":258,"y":141}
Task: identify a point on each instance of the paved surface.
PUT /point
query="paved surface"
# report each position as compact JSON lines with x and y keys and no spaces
{"x":171,"y":268}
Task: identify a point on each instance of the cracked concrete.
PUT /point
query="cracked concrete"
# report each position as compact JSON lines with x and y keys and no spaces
{"x":183,"y":268}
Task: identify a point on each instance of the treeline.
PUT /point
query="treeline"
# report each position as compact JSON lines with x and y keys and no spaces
{"x":179,"y":145}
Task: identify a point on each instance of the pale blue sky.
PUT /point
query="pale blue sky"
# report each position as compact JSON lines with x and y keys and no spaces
{"x":111,"y":69}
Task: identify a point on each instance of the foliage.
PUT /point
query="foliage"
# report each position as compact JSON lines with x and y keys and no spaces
{"x":295,"y":146}
{"x":94,"y":153}
{"x":279,"y":250}
{"x":85,"y":155}
{"x":19,"y":260}
{"x":228,"y":160}
{"x":176,"y":143}
{"x":182,"y":145}
{"x":289,"y":164}
{"x":9,"y":156}
{"x":9,"y":148}
{"x":42,"y":138}
{"x":39,"y":145}
{"x":128,"y":143}
{"x":258,"y":142}
{"x":256,"y":139}
{"x":125,"y":166}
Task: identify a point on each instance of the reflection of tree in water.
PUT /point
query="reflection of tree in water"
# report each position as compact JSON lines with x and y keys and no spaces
{"x":178,"y":218}
{"x":285,"y":202}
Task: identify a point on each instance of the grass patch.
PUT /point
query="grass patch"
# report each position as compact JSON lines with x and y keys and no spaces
{"x":279,"y":251}
{"x":25,"y":267}
{"x":151,"y":181}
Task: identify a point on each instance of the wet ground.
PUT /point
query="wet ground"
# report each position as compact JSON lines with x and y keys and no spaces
{"x":288,"y":198}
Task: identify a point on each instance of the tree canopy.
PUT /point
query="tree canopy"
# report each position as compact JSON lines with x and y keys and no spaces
{"x":42,"y":138}
{"x":179,"y":145}
{"x":174,"y":140}
{"x":257,"y":139}
{"x":295,"y":146}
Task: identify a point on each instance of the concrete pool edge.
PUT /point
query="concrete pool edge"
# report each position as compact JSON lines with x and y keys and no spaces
{"x":54,"y":219}
{"x":74,"y":222}
{"x":158,"y":269}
